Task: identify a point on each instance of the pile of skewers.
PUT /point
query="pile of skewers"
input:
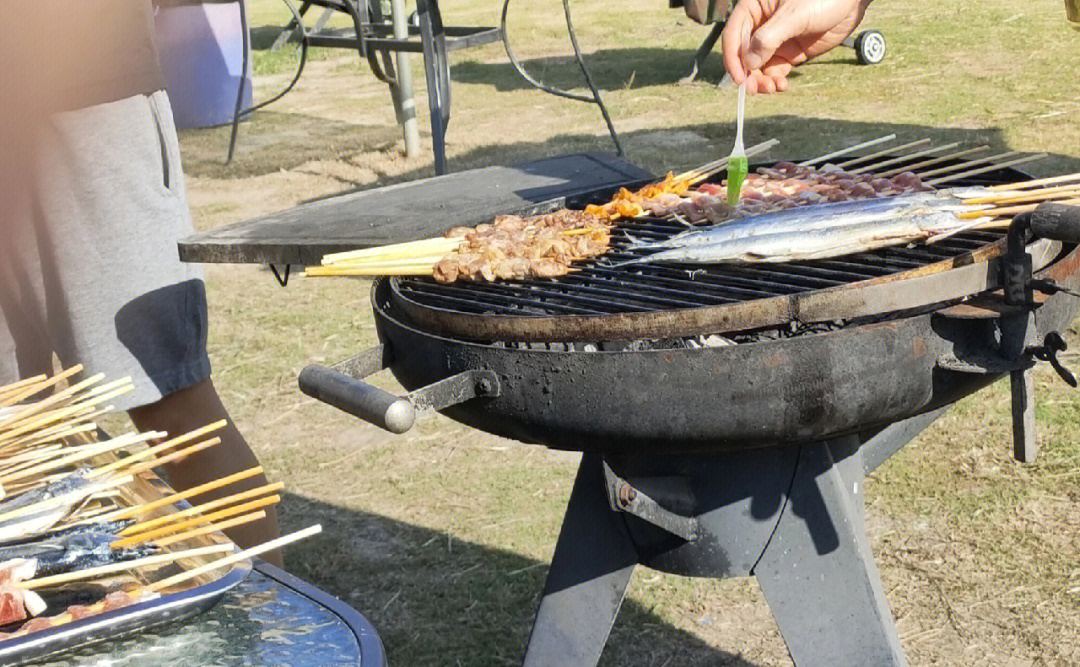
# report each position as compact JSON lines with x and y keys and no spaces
{"x":85,"y":519}
{"x":548,"y":246}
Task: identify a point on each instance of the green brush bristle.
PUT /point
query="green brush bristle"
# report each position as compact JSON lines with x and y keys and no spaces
{"x":738,"y":168}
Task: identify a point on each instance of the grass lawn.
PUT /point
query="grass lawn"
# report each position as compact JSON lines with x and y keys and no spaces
{"x":442,"y":537}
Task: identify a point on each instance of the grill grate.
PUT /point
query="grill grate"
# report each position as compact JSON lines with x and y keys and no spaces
{"x":601,"y":289}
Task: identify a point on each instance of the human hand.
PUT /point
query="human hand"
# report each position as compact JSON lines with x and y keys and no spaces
{"x":783,"y":34}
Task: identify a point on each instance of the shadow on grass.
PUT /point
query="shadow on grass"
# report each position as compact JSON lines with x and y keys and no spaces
{"x":275,"y":141}
{"x":611,"y":69}
{"x":438,"y":601}
{"x":271,"y":141}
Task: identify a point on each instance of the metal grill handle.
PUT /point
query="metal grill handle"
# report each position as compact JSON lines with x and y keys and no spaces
{"x":342,"y":386}
{"x":1057,"y":221}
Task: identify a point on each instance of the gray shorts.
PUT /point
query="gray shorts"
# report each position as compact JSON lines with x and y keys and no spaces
{"x":96,"y":279}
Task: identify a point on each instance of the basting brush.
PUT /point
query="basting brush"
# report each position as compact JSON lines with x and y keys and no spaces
{"x":738,"y":164}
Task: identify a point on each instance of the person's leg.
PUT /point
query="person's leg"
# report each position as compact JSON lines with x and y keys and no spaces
{"x":191,"y":408}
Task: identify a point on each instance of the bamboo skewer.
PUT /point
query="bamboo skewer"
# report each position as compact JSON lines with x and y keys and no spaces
{"x":1008,"y":210}
{"x":84,"y":453}
{"x":131,"y":512}
{"x":1053,"y":180}
{"x":929,"y":163}
{"x":16,"y":387}
{"x":234,"y":558}
{"x":848,"y":150}
{"x":983,"y":170}
{"x":1065,"y":191}
{"x":173,"y":456}
{"x":221,"y":527}
{"x":366,"y":253}
{"x":168,"y":444}
{"x":887,"y":151}
{"x":41,"y":386}
{"x":56,"y":399}
{"x":195,"y":521}
{"x":970,"y":163}
{"x":904,"y":158}
{"x":112,"y":568}
{"x":201,"y":509}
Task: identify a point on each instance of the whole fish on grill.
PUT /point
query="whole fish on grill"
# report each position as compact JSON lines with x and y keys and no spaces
{"x":815,"y":232}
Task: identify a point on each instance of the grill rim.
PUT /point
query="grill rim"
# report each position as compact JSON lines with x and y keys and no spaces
{"x":719,"y":319}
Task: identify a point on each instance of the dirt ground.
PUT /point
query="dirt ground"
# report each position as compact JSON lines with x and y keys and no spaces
{"x":442,"y":537}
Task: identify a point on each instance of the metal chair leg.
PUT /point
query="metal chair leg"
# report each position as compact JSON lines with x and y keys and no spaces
{"x":703,"y":52}
{"x":436,"y":70}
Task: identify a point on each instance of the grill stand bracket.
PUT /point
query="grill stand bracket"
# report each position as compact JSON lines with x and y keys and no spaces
{"x":800,"y":533}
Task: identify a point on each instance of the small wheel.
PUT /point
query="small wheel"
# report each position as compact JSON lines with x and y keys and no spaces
{"x":870,"y":47}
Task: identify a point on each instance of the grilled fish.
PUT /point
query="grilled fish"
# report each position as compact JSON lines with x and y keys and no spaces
{"x":816,"y":217}
{"x":39,"y":522}
{"x":815,"y":232}
{"x":74,"y":550}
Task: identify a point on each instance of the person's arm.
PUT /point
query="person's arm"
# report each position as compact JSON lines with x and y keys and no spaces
{"x":783,"y":34}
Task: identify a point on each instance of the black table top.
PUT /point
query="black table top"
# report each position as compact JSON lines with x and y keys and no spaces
{"x":407,"y":211}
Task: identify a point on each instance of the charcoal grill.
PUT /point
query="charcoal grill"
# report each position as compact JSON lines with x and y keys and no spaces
{"x":716,"y":441}
{"x":727,"y":416}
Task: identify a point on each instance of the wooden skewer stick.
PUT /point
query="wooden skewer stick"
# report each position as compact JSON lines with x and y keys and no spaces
{"x":195,"y":521}
{"x":983,"y":170}
{"x":970,"y":163}
{"x":85,"y":453}
{"x":132,"y":512}
{"x":355,"y":264}
{"x":41,"y":386}
{"x":221,"y":526}
{"x":235,"y":558}
{"x":169,"y":458}
{"x":929,"y":163}
{"x":74,"y":413}
{"x":887,"y":151}
{"x":750,"y":152}
{"x":168,"y":444}
{"x":716,"y":165}
{"x":424,"y":270}
{"x":176,"y":517}
{"x":29,"y":456}
{"x":16,"y":387}
{"x":1063,"y":192}
{"x":848,"y":150}
{"x":336,"y":257}
{"x":52,"y":434}
{"x":1053,"y":180}
{"x":54,"y":400}
{"x":904,"y":158}
{"x":65,"y":498}
{"x":112,"y":568}
{"x":1008,"y":210}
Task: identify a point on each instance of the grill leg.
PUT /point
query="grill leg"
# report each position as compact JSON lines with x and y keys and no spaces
{"x":585,"y":586}
{"x":817,"y":572}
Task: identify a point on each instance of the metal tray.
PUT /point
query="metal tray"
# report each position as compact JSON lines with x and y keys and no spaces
{"x":189,"y":600}
{"x":121,"y":622}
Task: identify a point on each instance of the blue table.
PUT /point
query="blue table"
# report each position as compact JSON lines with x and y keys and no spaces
{"x":271,"y":619}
